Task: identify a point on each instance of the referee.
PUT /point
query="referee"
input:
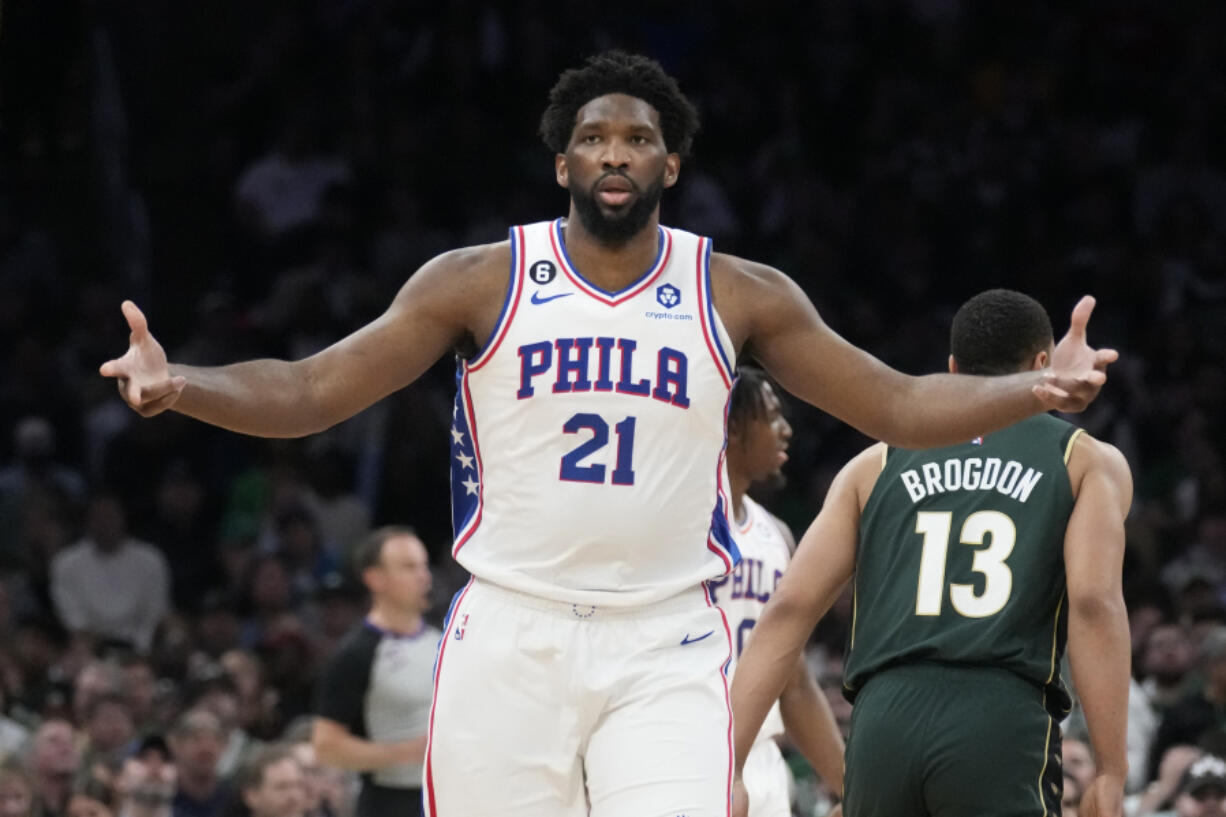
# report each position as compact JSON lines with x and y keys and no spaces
{"x":373,"y":698}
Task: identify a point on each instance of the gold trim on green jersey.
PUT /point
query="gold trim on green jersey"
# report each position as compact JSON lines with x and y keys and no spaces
{"x":1068,"y":449}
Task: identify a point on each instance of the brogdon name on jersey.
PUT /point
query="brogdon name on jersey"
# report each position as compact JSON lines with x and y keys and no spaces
{"x":588,"y":435}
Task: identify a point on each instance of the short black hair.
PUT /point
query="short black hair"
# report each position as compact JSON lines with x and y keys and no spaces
{"x":616,"y":72}
{"x":368,"y":552}
{"x":998,"y":332}
{"x":747,"y":402}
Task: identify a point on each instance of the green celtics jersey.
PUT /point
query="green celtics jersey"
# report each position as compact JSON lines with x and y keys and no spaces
{"x":961,"y":558}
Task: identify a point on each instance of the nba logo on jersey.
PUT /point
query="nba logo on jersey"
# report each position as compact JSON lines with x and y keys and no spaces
{"x":668,"y":295}
{"x":977,"y":441}
{"x":459,"y":631}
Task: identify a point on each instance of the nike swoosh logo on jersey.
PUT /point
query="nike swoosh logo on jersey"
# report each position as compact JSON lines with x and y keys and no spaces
{"x":537,"y":299}
{"x":688,"y":640}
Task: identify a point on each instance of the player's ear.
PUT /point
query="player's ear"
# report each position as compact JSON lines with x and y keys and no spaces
{"x":953,"y":365}
{"x":1041,"y":359}
{"x":672,"y":169}
{"x":560,"y":170}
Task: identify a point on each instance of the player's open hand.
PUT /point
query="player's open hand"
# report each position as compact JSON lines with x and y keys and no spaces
{"x":1077,"y":371}
{"x":143,"y":375}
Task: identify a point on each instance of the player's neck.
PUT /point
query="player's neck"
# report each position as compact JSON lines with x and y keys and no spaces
{"x":400,"y":622}
{"x":738,"y":484}
{"x":611,"y":267}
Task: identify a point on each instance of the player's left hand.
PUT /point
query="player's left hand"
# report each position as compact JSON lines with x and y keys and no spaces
{"x":1077,"y":371}
{"x":740,"y":798}
{"x":1104,"y":798}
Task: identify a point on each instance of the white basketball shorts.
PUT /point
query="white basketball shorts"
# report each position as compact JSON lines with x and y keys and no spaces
{"x":548,"y":709}
{"x":768,"y":781}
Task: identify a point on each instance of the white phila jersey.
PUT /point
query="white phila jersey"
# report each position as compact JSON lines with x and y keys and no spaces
{"x":743,"y":593}
{"x":588,"y":436}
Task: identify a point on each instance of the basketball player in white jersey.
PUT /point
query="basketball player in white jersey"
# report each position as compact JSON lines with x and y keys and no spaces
{"x":581,"y":671}
{"x":758,"y":436}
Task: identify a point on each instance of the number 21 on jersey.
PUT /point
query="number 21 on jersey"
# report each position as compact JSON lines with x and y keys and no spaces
{"x":572,"y":468}
{"x":936,"y":526}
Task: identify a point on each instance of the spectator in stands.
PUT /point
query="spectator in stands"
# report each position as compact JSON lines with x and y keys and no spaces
{"x":13,"y":735}
{"x":283,"y":191}
{"x":109,"y":584}
{"x":271,"y":784}
{"x":16,"y":790}
{"x":1078,"y":762}
{"x":216,"y":692}
{"x":140,"y":688}
{"x":1203,"y":791}
{"x":91,"y":798}
{"x":196,"y":744}
{"x":1167,"y":658}
{"x":1070,"y":800}
{"x":54,"y":764}
{"x":110,"y":737}
{"x":147,"y":783}
{"x":97,"y":679}
{"x":1198,"y":715}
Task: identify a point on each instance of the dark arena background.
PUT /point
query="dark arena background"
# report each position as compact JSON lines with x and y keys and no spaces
{"x":261,"y":178}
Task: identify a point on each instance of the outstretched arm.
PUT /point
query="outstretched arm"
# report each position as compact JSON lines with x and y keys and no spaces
{"x":434,"y":310}
{"x":1098,"y":641}
{"x":781,"y":328}
{"x":823,"y":564}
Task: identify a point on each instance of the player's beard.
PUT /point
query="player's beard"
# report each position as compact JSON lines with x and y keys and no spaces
{"x":774,"y":481}
{"x":615,"y":229}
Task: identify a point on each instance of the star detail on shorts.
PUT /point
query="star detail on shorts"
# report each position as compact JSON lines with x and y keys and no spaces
{"x":470,"y":485}
{"x":464,"y":460}
{"x":457,"y":435}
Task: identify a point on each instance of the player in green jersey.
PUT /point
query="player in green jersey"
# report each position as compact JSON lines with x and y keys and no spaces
{"x":973,"y":565}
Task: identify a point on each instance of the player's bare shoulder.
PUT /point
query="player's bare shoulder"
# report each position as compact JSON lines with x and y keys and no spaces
{"x":751,"y":296}
{"x":465,"y":287}
{"x":863,"y":470}
{"x":1091,"y":457}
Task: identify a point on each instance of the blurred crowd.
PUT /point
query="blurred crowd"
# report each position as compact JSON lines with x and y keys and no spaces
{"x":262,"y":178}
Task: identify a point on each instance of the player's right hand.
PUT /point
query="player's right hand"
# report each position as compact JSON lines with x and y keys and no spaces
{"x":142,"y":374}
{"x":1104,"y":798}
{"x":740,"y":798}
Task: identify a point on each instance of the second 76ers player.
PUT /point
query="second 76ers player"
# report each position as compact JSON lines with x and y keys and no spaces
{"x":581,"y":672}
{"x":758,"y":436}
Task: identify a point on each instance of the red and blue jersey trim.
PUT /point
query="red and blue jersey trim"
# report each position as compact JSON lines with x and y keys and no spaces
{"x":706,"y":313}
{"x":466,"y":466}
{"x":604,"y":296}
{"x":510,"y":303}
{"x":719,"y":537}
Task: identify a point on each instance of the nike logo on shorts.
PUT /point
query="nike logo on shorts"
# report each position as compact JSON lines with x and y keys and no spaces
{"x":537,"y":299}
{"x":688,"y":640}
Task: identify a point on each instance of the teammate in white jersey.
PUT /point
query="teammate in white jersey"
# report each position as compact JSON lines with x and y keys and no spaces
{"x":758,"y":435}
{"x":577,"y":676}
